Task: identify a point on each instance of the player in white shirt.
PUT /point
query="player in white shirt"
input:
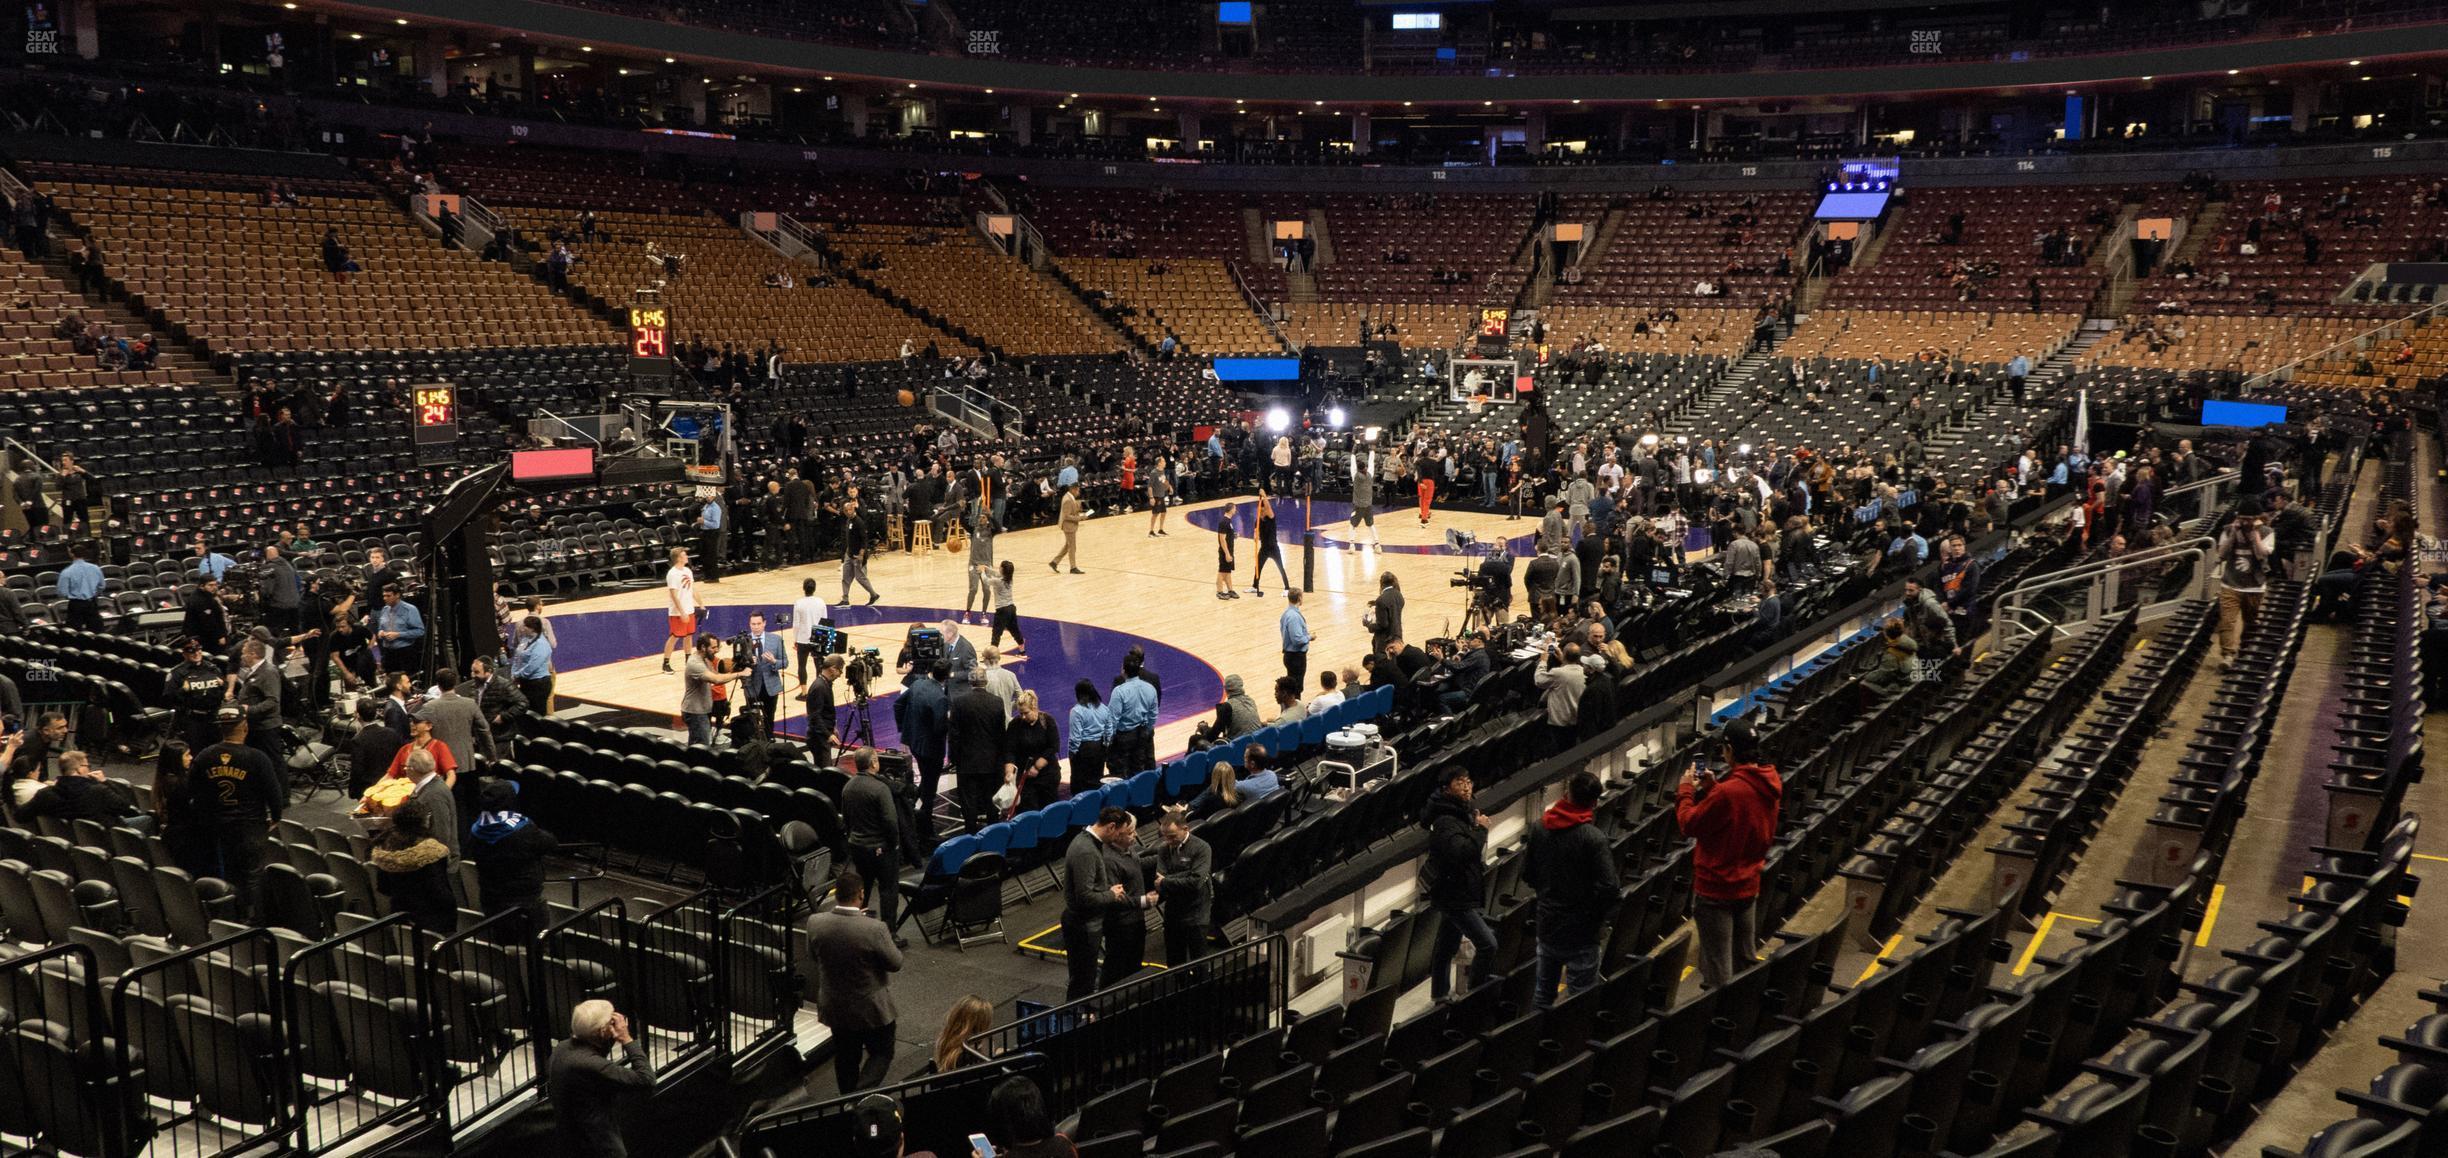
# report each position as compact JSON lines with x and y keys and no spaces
{"x":680,"y":590}
{"x":806,"y":616}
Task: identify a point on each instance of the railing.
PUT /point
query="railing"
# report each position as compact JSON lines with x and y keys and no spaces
{"x":548,"y":420}
{"x":478,"y":224}
{"x":782,"y":240}
{"x":226,"y":1049}
{"x":15,"y":190}
{"x":756,"y":990}
{"x":360,"y":1055}
{"x":1250,"y":296}
{"x":64,"y":1101}
{"x":1141,"y":1027}
{"x":938,"y":1112}
{"x":489,"y":1049}
{"x":669,"y":984}
{"x":2212,"y":490}
{"x":2102,"y":584}
{"x":982,"y":413}
{"x":2359,"y":341}
{"x":212,"y":1069}
{"x":787,"y":226}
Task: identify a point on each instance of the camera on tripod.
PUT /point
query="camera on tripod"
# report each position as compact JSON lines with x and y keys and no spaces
{"x":925,"y":646}
{"x":862,"y":669}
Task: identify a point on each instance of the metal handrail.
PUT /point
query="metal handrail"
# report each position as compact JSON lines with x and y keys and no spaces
{"x":572,"y":429}
{"x":2219,"y":479}
{"x":2281,"y":373}
{"x":29,"y":456}
{"x":2096,"y":576}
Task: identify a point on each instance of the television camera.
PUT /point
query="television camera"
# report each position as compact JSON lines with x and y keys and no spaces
{"x":1490,"y":580}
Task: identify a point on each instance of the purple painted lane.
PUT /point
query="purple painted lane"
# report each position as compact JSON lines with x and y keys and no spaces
{"x":1060,"y":654}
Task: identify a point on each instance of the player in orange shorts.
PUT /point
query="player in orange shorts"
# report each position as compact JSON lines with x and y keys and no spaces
{"x":680,"y":590}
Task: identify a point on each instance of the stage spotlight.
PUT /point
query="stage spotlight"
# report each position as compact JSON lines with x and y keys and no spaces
{"x":1369,"y":435}
{"x":1744,"y":449}
{"x":1648,"y":440}
{"x":1335,"y":418}
{"x":1279,"y":420}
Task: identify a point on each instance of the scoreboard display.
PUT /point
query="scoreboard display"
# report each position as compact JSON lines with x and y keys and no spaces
{"x":433,"y":409}
{"x":650,"y":339}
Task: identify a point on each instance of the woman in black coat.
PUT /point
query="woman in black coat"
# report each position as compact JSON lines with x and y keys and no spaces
{"x":1032,"y":753}
{"x":413,"y":869}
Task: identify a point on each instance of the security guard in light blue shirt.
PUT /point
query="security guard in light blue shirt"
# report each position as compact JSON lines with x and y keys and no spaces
{"x":81,"y":585}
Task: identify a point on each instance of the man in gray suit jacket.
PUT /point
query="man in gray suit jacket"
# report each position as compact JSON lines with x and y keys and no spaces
{"x":855,"y":957}
{"x":1091,"y":892}
{"x":589,"y":1088}
{"x":458,"y":722}
{"x":258,"y":690}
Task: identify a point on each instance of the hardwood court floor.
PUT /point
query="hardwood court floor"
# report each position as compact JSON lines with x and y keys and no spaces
{"x":1158,"y":592}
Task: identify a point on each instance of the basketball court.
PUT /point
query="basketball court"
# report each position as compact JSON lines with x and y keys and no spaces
{"x":1155,"y":593}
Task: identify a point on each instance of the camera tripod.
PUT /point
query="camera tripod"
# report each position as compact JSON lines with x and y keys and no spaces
{"x":862,"y":727}
{"x":1481,"y":616}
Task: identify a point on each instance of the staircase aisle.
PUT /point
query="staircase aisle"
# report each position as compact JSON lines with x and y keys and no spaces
{"x":2039,"y":386}
{"x":1732,"y":383}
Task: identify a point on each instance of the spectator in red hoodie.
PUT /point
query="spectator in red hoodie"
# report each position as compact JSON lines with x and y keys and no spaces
{"x":1730,"y":819}
{"x":1573,"y":868}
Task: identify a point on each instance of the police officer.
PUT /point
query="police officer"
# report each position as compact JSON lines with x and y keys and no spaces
{"x":195,"y":685}
{"x":237,"y":790}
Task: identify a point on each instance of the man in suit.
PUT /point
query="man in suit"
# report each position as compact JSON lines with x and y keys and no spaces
{"x":976,"y":734}
{"x":765,"y":667}
{"x":588,"y":1088}
{"x":1385,"y":615}
{"x":371,"y":749}
{"x":855,"y":957}
{"x":919,"y":712}
{"x":282,"y":594}
{"x":961,"y":653}
{"x":459,"y":723}
{"x":258,"y":693}
{"x":1184,"y":871}
{"x":1090,"y":895}
{"x":799,"y":513}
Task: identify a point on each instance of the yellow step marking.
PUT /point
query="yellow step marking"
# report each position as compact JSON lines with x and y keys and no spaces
{"x":1875,"y":962}
{"x":2218,"y":893}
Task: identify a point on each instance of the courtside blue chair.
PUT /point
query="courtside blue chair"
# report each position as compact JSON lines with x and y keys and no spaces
{"x":995,"y":838}
{"x":1085,"y":806}
{"x":951,"y":855}
{"x":1314,"y":728}
{"x":1186,"y":775}
{"x":1143,"y":789}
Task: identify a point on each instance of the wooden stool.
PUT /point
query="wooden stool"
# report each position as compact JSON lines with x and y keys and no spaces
{"x":922,"y":536}
{"x":895,"y":535}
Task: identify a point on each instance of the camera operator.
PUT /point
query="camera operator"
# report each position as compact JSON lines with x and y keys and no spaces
{"x":817,"y":695}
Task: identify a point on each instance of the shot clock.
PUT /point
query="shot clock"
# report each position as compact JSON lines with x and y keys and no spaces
{"x":650,"y":339}
{"x":433,"y":409}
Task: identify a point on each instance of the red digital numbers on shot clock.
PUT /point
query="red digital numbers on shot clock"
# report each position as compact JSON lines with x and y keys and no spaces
{"x":436,"y":406}
{"x":649,"y":331}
